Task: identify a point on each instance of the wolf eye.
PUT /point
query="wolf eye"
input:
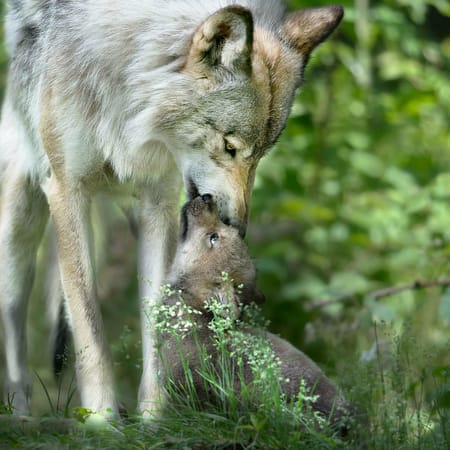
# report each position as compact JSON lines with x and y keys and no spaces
{"x":230,"y":148}
{"x":213,"y":238}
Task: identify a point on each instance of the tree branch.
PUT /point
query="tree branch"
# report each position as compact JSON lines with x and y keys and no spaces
{"x":418,"y":284}
{"x":385,"y":292}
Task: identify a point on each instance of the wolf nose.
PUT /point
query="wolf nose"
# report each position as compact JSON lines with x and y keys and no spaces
{"x":241,"y":227}
{"x":242,"y":230}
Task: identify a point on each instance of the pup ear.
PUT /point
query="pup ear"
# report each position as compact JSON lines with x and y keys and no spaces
{"x":307,"y":28}
{"x":223,"y":41}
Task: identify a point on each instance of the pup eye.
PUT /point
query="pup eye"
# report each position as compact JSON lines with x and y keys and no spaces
{"x":230,"y":148}
{"x":213,"y":238}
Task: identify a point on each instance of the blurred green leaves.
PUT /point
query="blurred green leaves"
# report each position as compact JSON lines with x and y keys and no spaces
{"x":444,"y":307}
{"x":356,"y":196}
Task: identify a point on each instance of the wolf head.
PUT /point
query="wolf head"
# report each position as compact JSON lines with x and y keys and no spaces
{"x":243,"y":79}
{"x":206,"y":249}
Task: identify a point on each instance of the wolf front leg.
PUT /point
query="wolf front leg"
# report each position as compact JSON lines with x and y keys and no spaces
{"x":23,"y":216}
{"x":69,"y":207}
{"x":157,"y":243}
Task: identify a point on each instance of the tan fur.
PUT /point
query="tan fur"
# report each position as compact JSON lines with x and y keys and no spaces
{"x":274,"y":73}
{"x":300,"y":25}
{"x":51,"y":139}
{"x":69,"y":210}
{"x":196,"y":272}
{"x":69,"y":207}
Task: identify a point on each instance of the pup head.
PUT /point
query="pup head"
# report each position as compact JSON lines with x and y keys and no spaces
{"x":236,"y":88}
{"x":206,"y":249}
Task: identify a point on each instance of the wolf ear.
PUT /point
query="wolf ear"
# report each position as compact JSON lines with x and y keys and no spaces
{"x":223,"y":41}
{"x":307,"y":28}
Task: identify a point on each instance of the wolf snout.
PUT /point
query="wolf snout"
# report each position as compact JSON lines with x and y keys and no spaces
{"x":240,"y":226}
{"x":242,"y":229}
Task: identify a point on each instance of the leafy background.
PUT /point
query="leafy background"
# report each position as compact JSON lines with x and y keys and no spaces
{"x":354,"y":198}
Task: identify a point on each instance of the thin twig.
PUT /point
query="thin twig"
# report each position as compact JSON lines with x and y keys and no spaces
{"x":385,"y":292}
{"x":418,"y":284}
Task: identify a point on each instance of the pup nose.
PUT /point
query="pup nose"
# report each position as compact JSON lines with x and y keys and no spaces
{"x":207,"y":198}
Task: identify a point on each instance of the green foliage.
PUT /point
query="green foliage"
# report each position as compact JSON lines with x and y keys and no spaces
{"x":356,"y":194}
{"x":393,"y":381}
{"x":355,"y":197}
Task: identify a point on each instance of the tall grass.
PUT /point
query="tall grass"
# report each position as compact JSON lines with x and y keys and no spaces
{"x":405,"y":401}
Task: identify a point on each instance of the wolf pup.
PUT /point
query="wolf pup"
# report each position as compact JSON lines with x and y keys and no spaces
{"x":137,"y":98}
{"x":206,"y":249}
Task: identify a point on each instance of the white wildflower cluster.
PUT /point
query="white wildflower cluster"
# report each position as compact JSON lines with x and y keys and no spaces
{"x":243,"y":344}
{"x":177,"y":318}
{"x":254,"y":348}
{"x":223,"y":316}
{"x":305,"y":393}
{"x":223,"y":308}
{"x":226,"y":277}
{"x":304,"y":403}
{"x":258,"y":354}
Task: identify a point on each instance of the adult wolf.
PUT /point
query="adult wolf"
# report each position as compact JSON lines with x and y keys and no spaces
{"x":133,"y":97}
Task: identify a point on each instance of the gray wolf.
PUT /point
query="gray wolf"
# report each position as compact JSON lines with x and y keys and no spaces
{"x":137,"y":99}
{"x":207,"y":249}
